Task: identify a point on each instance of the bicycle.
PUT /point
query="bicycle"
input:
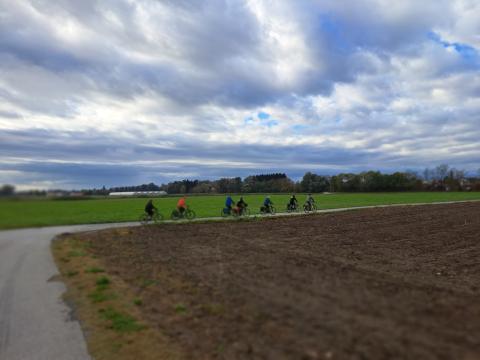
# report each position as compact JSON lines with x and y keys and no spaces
{"x":244,"y":211}
{"x":292,"y":208}
{"x":145,"y":218}
{"x":235,"y":211}
{"x":188,"y":214}
{"x":227,"y":212}
{"x":270,"y":209}
{"x":309,"y":207}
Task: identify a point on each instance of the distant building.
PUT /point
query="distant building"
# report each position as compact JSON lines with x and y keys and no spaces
{"x":57,"y":193}
{"x":76,"y":194}
{"x":138,"y":193}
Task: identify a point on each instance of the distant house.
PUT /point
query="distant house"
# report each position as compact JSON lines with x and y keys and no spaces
{"x":138,"y":193}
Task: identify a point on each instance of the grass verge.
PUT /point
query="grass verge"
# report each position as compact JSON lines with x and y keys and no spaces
{"x":15,"y":213}
{"x":108,"y":312}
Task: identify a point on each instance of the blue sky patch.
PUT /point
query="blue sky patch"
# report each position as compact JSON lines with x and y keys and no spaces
{"x":335,"y":33}
{"x":248,"y":120}
{"x":263,"y":115}
{"x":270,"y":123}
{"x":299,"y":128}
{"x":467,"y":52}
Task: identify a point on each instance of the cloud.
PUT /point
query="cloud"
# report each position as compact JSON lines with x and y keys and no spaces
{"x":153,"y":90}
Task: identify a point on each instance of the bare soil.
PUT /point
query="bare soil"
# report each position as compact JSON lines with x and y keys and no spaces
{"x":104,"y":341}
{"x":387,"y":283}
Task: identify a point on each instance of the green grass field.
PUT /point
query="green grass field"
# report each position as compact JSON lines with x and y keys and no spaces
{"x":43,"y":212}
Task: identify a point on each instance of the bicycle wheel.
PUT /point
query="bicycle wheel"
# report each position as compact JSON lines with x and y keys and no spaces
{"x":175,"y":215}
{"x":157,"y":217}
{"x":190,"y":214}
{"x":224,"y":213}
{"x":246,"y":212}
{"x":314,"y":207}
{"x":272,"y":210}
{"x":144,"y":218}
{"x":306,"y":208}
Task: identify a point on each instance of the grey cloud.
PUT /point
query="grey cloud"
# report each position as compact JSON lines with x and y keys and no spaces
{"x":10,"y":115}
{"x":214,"y":50}
{"x":37,"y":49}
{"x":71,"y":146}
{"x":191,"y":55}
{"x":222,"y":56}
{"x":84,"y":160}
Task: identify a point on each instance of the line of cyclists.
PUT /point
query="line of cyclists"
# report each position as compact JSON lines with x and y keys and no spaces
{"x":241,"y":207}
{"x":232,"y":208}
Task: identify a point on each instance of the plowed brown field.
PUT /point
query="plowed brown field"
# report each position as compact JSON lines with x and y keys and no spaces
{"x":389,"y":283}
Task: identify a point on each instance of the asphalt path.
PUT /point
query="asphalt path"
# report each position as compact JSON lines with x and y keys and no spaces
{"x":35,"y":323}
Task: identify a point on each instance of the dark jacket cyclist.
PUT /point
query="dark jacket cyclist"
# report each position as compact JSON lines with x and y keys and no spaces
{"x":310,"y":201}
{"x":241,"y":204}
{"x":150,"y":208}
{"x":293,"y":203}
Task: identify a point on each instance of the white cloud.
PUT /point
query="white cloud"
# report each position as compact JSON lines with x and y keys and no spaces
{"x":464,"y":26}
{"x":398,"y":81}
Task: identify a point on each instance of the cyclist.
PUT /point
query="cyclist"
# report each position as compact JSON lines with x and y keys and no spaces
{"x":293,"y":203}
{"x":182,"y":205}
{"x":267,"y":204}
{"x":310,"y":201}
{"x":241,"y":205}
{"x":229,"y":203}
{"x":150,"y":208}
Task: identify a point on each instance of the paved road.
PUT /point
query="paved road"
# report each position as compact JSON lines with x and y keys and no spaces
{"x":35,"y":324}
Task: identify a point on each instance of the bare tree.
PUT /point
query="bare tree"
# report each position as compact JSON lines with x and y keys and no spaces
{"x":441,"y":171}
{"x":457,"y":174}
{"x":427,"y":174}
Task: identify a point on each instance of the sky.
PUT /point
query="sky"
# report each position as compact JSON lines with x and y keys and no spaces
{"x":124,"y":92}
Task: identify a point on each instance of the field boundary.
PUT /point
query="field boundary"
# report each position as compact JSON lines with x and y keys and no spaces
{"x":302,"y":213}
{"x":114,"y":224}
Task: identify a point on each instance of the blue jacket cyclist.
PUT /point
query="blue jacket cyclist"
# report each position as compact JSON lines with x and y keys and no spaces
{"x":229,"y":203}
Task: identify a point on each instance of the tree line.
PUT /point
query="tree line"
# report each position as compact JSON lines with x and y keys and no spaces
{"x":440,"y":178}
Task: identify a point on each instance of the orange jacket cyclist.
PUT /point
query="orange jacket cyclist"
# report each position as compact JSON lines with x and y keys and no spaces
{"x":181,"y":204}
